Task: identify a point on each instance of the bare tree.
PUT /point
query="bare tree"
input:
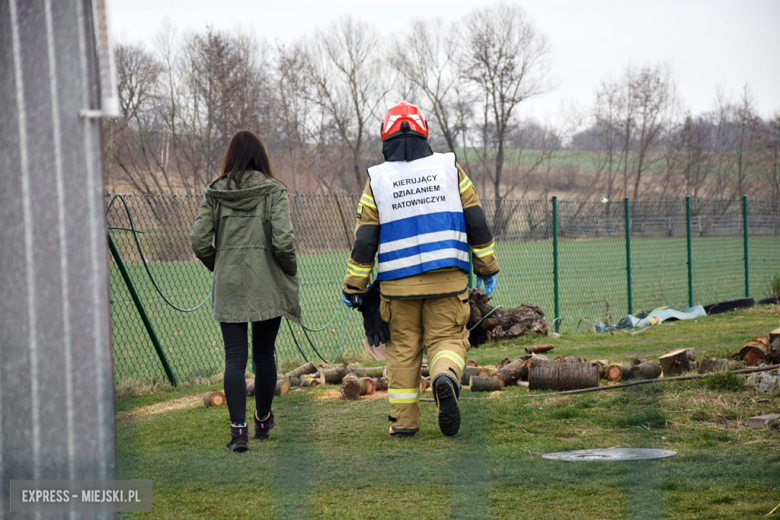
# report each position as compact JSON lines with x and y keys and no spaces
{"x":506,"y":59}
{"x":427,"y":64}
{"x":350,"y":83}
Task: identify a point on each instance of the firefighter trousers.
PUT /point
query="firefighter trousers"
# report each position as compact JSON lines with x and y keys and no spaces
{"x":436,"y":325}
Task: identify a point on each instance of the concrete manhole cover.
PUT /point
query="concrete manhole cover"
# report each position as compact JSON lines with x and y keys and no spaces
{"x":611,"y":454}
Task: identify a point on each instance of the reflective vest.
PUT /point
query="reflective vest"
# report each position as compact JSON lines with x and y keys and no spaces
{"x":420,"y":215}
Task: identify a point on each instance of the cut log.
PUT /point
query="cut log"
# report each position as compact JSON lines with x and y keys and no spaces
{"x":307,"y":368}
{"x":367,"y":371}
{"x":617,"y":372}
{"x":774,"y":346}
{"x":471,"y":363}
{"x":214,"y":398}
{"x":512,"y":372}
{"x":675,"y":362}
{"x":427,"y":383}
{"x":424,"y":370}
{"x":332,"y":376}
{"x":381,"y":384}
{"x":602,"y":365}
{"x":504,"y":362}
{"x":352,"y":387}
{"x":485,"y":384}
{"x":759,"y":422}
{"x":755,"y":351}
{"x":637,"y":361}
{"x":546,"y":375}
{"x":646,"y":370}
{"x":294,"y":381}
{"x":250,"y":387}
{"x":309,"y":381}
{"x":370,"y":385}
{"x":566,"y":359}
{"x":283,"y":387}
{"x":470,"y":372}
{"x":691,"y":353}
{"x":539,"y":349}
{"x":708,"y":364}
{"x":423,"y":384}
{"x":500,"y":324}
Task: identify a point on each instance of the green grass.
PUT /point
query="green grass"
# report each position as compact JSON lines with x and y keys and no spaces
{"x":333,"y":459}
{"x":592,"y":281}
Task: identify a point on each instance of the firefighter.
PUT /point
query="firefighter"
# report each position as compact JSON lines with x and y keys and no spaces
{"x":419,"y":216}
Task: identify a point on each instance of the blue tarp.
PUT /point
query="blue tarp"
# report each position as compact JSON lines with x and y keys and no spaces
{"x":643,"y":319}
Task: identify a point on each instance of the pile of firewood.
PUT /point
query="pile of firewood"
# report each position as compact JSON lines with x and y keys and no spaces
{"x":534,"y":369}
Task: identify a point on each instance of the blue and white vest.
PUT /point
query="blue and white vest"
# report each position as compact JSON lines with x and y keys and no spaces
{"x":420,"y":215}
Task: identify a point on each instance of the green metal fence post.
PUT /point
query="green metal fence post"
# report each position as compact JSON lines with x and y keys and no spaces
{"x":630,"y":294}
{"x":690,"y":251}
{"x":556,"y":271}
{"x":745,"y":240}
{"x":141,"y":311}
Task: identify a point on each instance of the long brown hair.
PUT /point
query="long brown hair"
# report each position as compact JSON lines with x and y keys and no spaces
{"x":245,"y":152}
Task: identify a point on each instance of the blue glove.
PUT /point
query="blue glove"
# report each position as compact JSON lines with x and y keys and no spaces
{"x":352,"y":301}
{"x":489,"y":281}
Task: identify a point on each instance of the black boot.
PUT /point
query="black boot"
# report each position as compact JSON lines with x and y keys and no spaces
{"x":445,"y":392}
{"x":263,"y":428}
{"x":239,"y":439}
{"x":400,"y":432}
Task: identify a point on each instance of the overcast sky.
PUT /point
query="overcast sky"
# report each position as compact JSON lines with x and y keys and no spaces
{"x":709,"y":43}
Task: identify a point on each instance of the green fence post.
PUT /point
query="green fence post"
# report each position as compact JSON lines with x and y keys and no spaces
{"x":745,"y":240}
{"x":630,"y":294}
{"x":556,"y":277}
{"x":690,"y":251}
{"x":141,"y":311}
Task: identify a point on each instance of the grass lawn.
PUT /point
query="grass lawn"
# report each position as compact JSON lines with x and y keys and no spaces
{"x":328,"y":458}
{"x":592,"y":287}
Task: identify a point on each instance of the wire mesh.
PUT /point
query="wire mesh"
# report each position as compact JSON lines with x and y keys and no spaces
{"x":592,"y":272}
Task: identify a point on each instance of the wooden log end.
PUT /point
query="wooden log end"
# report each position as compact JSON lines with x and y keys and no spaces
{"x":283,"y":387}
{"x":214,"y":398}
{"x":485,"y":384}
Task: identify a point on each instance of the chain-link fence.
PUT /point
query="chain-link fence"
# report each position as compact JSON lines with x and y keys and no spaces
{"x":676,"y":254}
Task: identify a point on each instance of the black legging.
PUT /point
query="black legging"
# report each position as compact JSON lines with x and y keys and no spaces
{"x":236,"y":346}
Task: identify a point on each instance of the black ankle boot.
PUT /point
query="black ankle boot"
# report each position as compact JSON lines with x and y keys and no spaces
{"x":263,"y":427}
{"x":239,"y":439}
{"x":445,"y":393}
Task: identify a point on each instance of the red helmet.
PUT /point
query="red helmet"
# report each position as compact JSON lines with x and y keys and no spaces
{"x":402,"y":113}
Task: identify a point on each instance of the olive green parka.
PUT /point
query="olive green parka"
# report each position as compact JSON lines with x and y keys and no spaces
{"x":245,"y":237}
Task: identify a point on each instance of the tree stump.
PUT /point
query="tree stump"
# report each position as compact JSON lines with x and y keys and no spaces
{"x":549,"y":375}
{"x":708,"y":364}
{"x":470,"y":372}
{"x":538,"y":349}
{"x":485,"y":384}
{"x":214,"y":398}
{"x":307,"y":368}
{"x":675,"y":362}
{"x":513,"y":371}
{"x":646,"y":370}
{"x":755,"y":351}
{"x":502,"y":323}
{"x":618,"y":372}
{"x":283,"y":387}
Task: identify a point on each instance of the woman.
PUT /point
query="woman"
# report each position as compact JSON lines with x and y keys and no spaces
{"x":244,"y":234}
